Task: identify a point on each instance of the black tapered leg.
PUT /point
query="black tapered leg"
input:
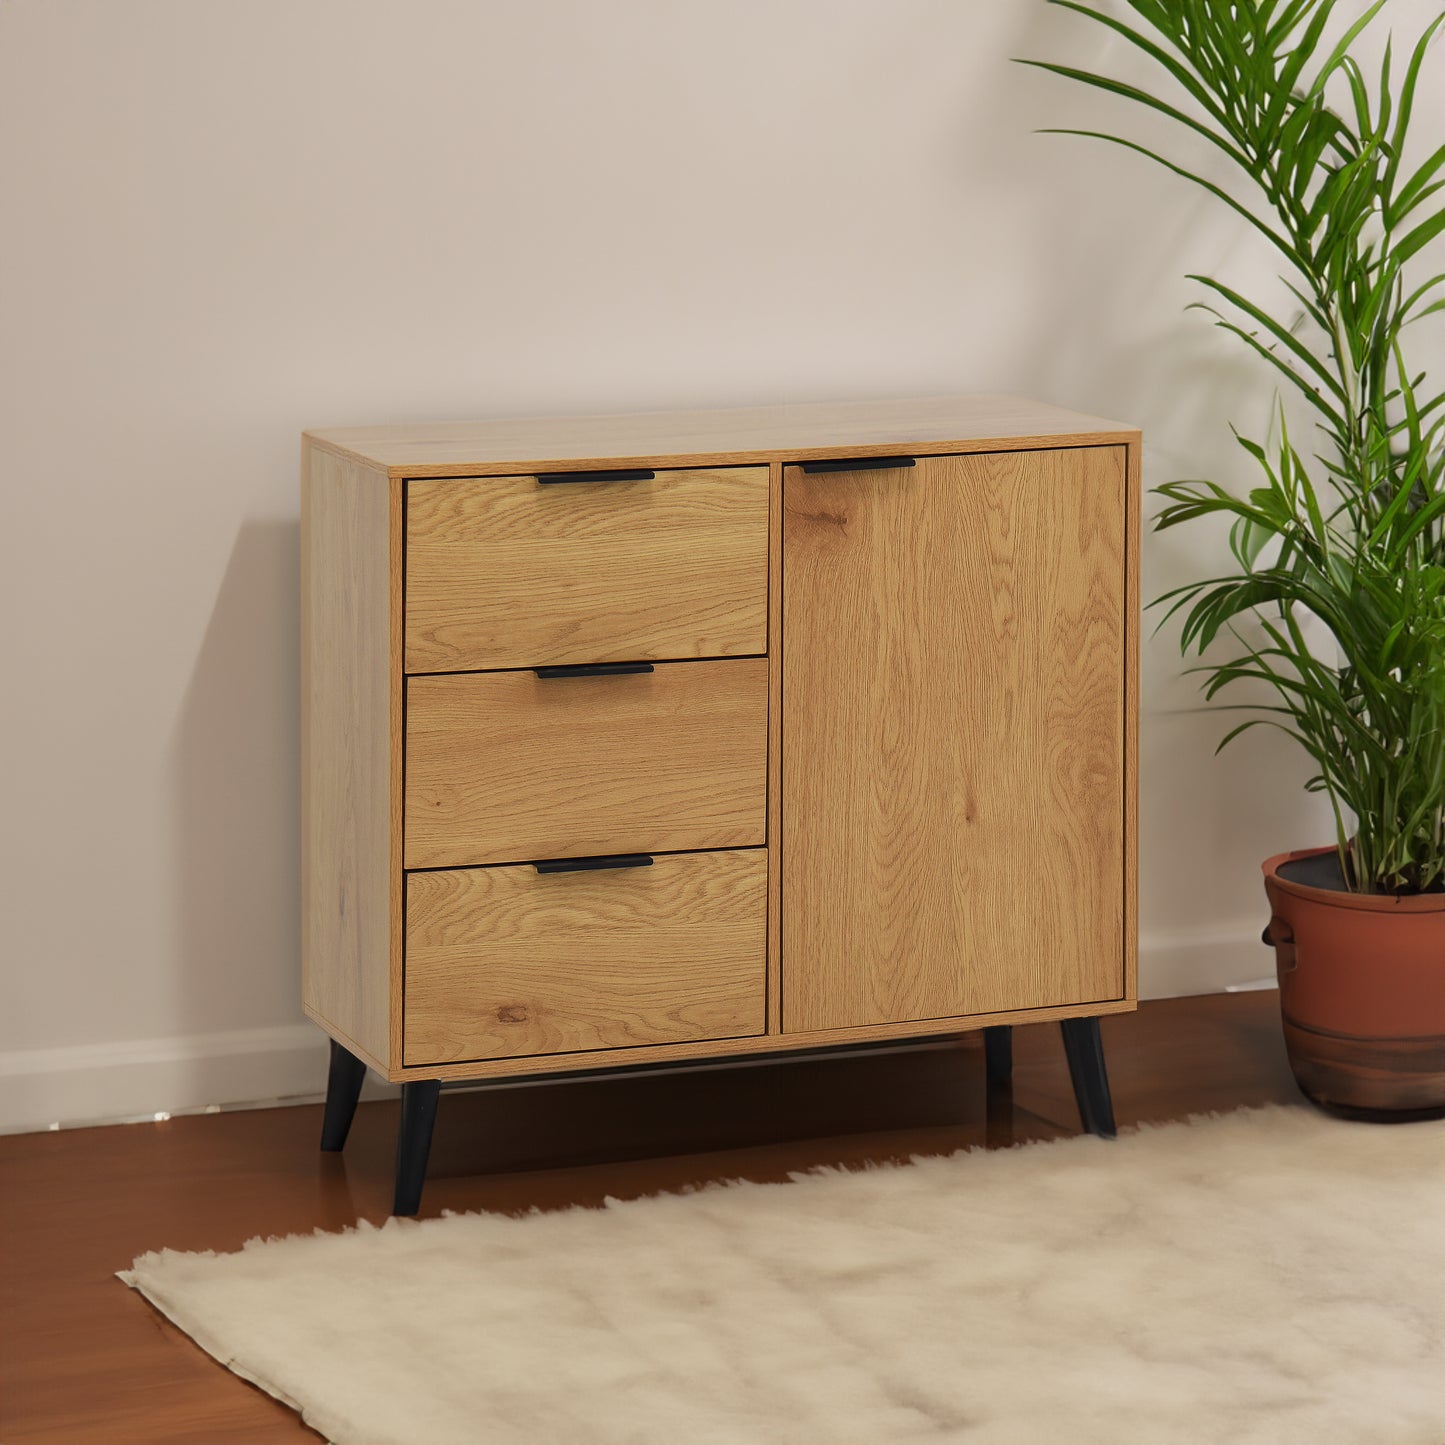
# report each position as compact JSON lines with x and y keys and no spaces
{"x":413,"y":1143}
{"x":343,"y":1088}
{"x":998,"y":1094}
{"x":1085,"y":1050}
{"x":998,"y":1053}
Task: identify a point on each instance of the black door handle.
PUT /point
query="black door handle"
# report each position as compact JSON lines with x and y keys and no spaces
{"x":591,"y":865}
{"x":594,"y":669}
{"x":626,"y":474}
{"x":860,"y":464}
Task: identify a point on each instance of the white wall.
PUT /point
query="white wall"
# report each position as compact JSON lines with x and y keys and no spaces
{"x":227,"y":222}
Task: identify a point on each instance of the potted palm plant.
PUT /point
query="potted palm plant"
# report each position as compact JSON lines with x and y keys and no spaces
{"x":1353,"y":534}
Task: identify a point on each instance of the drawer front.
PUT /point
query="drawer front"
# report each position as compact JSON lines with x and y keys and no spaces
{"x":518,"y":572}
{"x":506,"y":767}
{"x":506,"y":962}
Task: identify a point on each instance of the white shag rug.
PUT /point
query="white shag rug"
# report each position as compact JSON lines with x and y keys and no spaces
{"x":1261,"y":1278}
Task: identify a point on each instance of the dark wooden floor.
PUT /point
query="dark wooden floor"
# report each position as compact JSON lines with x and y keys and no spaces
{"x":83,"y":1359}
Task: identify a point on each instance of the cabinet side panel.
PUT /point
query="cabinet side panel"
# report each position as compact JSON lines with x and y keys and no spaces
{"x":346,"y":751}
{"x":775,"y":747}
{"x":1133,"y":605}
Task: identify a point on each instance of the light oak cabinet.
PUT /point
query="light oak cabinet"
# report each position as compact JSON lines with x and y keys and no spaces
{"x":635,"y":740}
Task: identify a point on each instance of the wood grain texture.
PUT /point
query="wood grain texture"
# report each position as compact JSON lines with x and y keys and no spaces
{"x":347,"y":751}
{"x":361,"y":1000}
{"x":505,"y":572}
{"x":700,"y":1052}
{"x":505,"y":767}
{"x":953,"y":738}
{"x":507,"y":962}
{"x":730,"y":437}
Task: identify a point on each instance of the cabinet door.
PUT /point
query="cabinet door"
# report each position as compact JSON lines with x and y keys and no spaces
{"x":954,"y":664}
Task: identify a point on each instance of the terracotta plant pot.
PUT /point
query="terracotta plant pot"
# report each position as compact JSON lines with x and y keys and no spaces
{"x":1361,"y":989}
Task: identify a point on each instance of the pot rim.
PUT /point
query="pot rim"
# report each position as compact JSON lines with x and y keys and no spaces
{"x":1332,"y":898}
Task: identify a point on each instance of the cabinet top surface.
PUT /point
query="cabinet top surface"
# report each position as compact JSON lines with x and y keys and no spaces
{"x":732,"y":436}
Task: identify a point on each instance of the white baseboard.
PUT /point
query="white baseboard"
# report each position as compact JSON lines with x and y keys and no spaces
{"x":140,"y":1078}
{"x":136,"y":1079}
{"x":1175,"y":965}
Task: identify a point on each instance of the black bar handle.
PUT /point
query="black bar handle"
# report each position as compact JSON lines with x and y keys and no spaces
{"x":591,"y":865}
{"x":594,"y":669}
{"x":626,"y":474}
{"x":860,"y":464}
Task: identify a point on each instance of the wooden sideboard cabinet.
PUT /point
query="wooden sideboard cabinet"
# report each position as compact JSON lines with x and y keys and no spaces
{"x":634,"y":740}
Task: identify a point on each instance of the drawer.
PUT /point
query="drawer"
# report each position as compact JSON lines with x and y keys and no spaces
{"x":518,"y":571}
{"x":506,"y":767}
{"x":506,"y":962}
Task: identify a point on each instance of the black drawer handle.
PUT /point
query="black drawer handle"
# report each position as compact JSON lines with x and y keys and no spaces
{"x":627,"y":474}
{"x":860,"y":464}
{"x":591,"y":865}
{"x":594,"y":669}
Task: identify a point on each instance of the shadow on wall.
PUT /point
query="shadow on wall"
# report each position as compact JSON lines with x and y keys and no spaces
{"x":236,"y":761}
